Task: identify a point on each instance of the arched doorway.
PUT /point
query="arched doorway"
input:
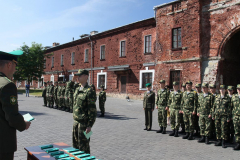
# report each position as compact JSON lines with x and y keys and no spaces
{"x":229,"y":67}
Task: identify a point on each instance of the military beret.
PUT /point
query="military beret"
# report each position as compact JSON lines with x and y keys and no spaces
{"x":102,"y":86}
{"x":175,"y":83}
{"x":204,"y":85}
{"x":198,"y":85}
{"x":59,"y":82}
{"x":189,"y":82}
{"x":212,"y":86}
{"x":81,"y":72}
{"x":238,"y":86}
{"x":230,"y":87}
{"x":148,"y":85}
{"x":222,"y":86}
{"x":183,"y":85}
{"x":11,"y":56}
{"x":162,"y":81}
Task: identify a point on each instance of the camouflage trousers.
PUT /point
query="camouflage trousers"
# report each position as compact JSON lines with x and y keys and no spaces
{"x":62,"y":102}
{"x":79,"y":140}
{"x":45,"y":100}
{"x":236,"y":123}
{"x":181,"y":120}
{"x":50,"y":101}
{"x":221,"y":126}
{"x":188,"y":120}
{"x":175,"y":118}
{"x":66,"y":100}
{"x":148,"y":118}
{"x":162,"y":117}
{"x":230,"y":127}
{"x":56,"y":100}
{"x":205,"y":125}
{"x":101,"y":107}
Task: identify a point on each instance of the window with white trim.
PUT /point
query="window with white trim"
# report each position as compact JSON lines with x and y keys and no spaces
{"x":122,"y":48}
{"x":146,"y":76}
{"x":52,"y":62}
{"x":52,"y":78}
{"x":72,"y":58}
{"x":62,"y":60}
{"x":86,"y":55}
{"x":71,"y":76}
{"x":147,"y":44}
{"x":102,"y":52}
{"x":102,"y":79}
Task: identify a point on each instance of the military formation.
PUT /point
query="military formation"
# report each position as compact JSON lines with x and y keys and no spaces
{"x":198,"y":112}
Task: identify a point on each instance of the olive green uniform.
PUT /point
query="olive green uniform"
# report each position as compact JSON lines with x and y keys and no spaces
{"x":59,"y":91}
{"x":55,"y":96}
{"x":235,"y":103}
{"x":102,"y":100}
{"x":51,"y":95}
{"x":44,"y":96}
{"x":66,"y":96}
{"x":62,"y":98}
{"x":148,"y":105}
{"x":47,"y":94}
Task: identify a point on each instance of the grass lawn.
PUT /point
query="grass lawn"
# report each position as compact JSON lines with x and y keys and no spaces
{"x":32,"y":92}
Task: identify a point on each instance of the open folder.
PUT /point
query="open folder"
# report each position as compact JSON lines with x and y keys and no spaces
{"x":28,"y":117}
{"x":87,"y":135}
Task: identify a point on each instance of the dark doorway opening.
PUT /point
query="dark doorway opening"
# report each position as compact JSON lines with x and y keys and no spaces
{"x":123,"y":84}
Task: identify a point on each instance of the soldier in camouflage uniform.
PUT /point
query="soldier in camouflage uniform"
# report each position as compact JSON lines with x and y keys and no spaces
{"x":44,"y":94}
{"x":59,"y":94}
{"x":181,"y":115}
{"x":76,"y":85}
{"x":189,"y":109}
{"x":66,"y":96}
{"x":62,"y":99}
{"x":174,"y":103}
{"x":84,"y":112}
{"x":196,"y":118}
{"x":230,"y":124}
{"x":235,"y":103}
{"x":71,"y":92}
{"x":102,"y":99}
{"x":47,"y":93}
{"x":221,"y":115}
{"x":55,"y":95}
{"x":148,"y":106}
{"x":94,"y":89}
{"x":204,"y":112}
{"x":213,"y":92}
{"x":51,"y":95}
{"x":161,"y":105}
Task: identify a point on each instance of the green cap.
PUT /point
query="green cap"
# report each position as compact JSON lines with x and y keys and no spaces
{"x":222,"y":86}
{"x":11,"y":56}
{"x":183,"y":85}
{"x":198,"y":85}
{"x":48,"y":81}
{"x":162,"y":81}
{"x":81,"y":72}
{"x":212,"y":86}
{"x":148,"y":85}
{"x":175,"y":83}
{"x":204,"y":85}
{"x":238,"y":86}
{"x":60,"y":82}
{"x":230,"y":87}
{"x":189,"y":82}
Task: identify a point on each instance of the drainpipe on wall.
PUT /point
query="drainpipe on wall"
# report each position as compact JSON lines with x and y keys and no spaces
{"x":91,"y":82}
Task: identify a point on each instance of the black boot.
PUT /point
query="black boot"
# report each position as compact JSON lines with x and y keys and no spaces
{"x":218,"y":143}
{"x":145,"y":128}
{"x":206,"y":140}
{"x":71,"y":111}
{"x":67,"y":110}
{"x":196,"y":134}
{"x":186,"y":136}
{"x":101,"y":115}
{"x":176,"y":133}
{"x":201,"y":139}
{"x":190,"y":136}
{"x":223,"y":144}
{"x":63,"y":108}
{"x":183,"y":130}
{"x":164,"y":130}
{"x":173,"y":133}
{"x":237,"y":147}
{"x":149,"y":129}
{"x":160,"y":131}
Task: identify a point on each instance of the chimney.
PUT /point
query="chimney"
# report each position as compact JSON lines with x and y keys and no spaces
{"x":55,"y":44}
{"x":93,"y":33}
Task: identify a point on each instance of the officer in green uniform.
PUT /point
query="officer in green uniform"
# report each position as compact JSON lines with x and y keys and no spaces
{"x":181,"y":115}
{"x":51,"y":95}
{"x":222,"y":115}
{"x":94,"y":89}
{"x":161,"y":105}
{"x":230,"y":124}
{"x":204,"y":112}
{"x":214,"y":93}
{"x":189,"y":109}
{"x":59,"y":95}
{"x":71,"y":92}
{"x":10,"y":119}
{"x":63,"y":106}
{"x":55,"y":95}
{"x":174,"y":103}
{"x":44,"y":94}
{"x":47,"y":93}
{"x":148,"y":106}
{"x":102,"y":99}
{"x":235,"y":103}
{"x":66,"y":96}
{"x":84,"y":112}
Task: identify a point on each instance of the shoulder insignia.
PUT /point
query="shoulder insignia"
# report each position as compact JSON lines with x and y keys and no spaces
{"x":13,"y":100}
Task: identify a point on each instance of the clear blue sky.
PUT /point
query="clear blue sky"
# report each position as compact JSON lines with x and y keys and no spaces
{"x":48,"y":21}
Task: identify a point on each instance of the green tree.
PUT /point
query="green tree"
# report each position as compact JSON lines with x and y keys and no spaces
{"x":30,"y":63}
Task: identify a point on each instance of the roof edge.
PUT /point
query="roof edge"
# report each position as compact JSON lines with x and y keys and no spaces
{"x":165,"y":4}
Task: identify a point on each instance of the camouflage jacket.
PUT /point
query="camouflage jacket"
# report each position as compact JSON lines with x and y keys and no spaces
{"x":47,"y":91}
{"x":59,"y":91}
{"x":102,"y":96}
{"x":235,"y":104}
{"x":67,"y":90}
{"x":63,"y":89}
{"x":222,"y":106}
{"x":149,"y":100}
{"x":51,"y":90}
{"x":205,"y":104}
{"x":174,"y":100}
{"x":44,"y":92}
{"x":162,"y":98}
{"x":84,"y":108}
{"x":189,"y":101}
{"x":55,"y":91}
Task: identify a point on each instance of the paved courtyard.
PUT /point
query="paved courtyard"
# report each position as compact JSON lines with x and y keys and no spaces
{"x":117,"y":136}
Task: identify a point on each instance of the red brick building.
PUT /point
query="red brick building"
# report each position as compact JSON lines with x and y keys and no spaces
{"x":197,"y":40}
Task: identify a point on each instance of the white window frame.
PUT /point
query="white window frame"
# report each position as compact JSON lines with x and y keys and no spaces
{"x":52,"y":62}
{"x":52,"y":78}
{"x":104,"y":51}
{"x":71,"y":76}
{"x":145,"y":43}
{"x":120,"y":55}
{"x":62,"y":59}
{"x":62,"y":76}
{"x":140,"y":78}
{"x":85,"y":53}
{"x":73,"y":58}
{"x":102,"y":73}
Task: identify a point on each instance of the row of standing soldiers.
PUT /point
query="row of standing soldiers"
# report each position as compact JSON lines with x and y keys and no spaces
{"x":62,"y":95}
{"x":216,"y":115}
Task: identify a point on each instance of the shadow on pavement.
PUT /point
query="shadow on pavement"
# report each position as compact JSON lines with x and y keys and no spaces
{"x":32,"y":113}
{"x":113,"y":116}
